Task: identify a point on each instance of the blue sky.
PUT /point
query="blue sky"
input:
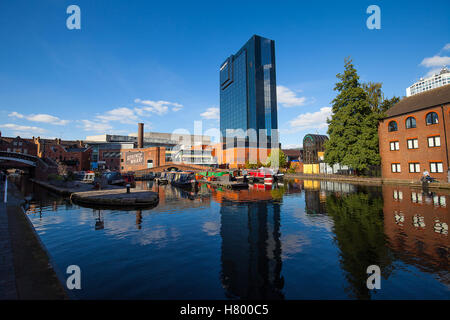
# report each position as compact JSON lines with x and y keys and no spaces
{"x":158,"y":61}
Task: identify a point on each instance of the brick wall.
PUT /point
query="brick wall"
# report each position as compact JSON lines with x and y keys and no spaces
{"x":424,"y":154}
{"x":138,"y":159}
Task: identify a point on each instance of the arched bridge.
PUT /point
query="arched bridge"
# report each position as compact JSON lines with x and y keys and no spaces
{"x":19,"y":157}
{"x":175,"y":166}
{"x":40,"y":168}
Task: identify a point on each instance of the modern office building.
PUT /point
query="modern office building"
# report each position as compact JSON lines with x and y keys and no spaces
{"x":248,"y":98}
{"x":414,"y":136}
{"x":439,"y":79}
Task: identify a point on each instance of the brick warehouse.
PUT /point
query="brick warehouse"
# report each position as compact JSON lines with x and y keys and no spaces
{"x":414,"y":137}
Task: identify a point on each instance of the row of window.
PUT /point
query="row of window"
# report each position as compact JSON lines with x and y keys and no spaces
{"x":413,"y":143}
{"x":414,"y":167}
{"x":417,"y":197}
{"x":410,"y":122}
{"x":17,"y":150}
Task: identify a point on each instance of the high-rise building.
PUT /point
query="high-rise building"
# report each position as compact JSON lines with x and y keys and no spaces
{"x":439,"y":79}
{"x":248,"y":98}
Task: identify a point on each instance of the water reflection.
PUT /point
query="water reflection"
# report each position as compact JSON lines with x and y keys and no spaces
{"x":251,"y":250}
{"x":416,"y":226}
{"x":260,"y":243}
{"x":358,"y":232}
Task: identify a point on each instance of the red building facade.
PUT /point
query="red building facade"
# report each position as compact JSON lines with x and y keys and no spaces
{"x":18,"y":144}
{"x":414,"y":137}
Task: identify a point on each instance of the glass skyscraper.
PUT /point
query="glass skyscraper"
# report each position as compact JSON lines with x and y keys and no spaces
{"x":248,"y":98}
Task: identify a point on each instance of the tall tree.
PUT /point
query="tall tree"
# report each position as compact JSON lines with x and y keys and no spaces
{"x":353,"y":127}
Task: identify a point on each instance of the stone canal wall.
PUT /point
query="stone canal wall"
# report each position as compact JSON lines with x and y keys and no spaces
{"x":367,"y":180}
{"x":25,"y":265}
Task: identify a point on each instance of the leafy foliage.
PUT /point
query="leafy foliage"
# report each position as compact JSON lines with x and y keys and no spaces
{"x":353,"y":128}
{"x":277,"y":159}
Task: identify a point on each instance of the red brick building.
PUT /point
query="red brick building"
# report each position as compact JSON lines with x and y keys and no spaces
{"x":109,"y":159}
{"x":414,"y":136}
{"x":72,"y":154}
{"x":18,"y":145}
{"x":142,"y":158}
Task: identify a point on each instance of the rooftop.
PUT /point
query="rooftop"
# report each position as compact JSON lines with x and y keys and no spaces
{"x":424,"y":100}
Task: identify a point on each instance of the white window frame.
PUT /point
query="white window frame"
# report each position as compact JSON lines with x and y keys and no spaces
{"x":396,"y":168}
{"x":436,"y":167}
{"x":394,"y":145}
{"x":414,"y":143}
{"x":415,"y":167}
{"x":434,"y":141}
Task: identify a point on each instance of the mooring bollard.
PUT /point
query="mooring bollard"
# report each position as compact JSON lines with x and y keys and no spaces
{"x":128,"y":188}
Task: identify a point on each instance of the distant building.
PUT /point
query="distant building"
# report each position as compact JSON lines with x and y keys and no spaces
{"x":439,"y":79}
{"x":18,"y":145}
{"x":107,"y":149}
{"x":142,"y":158}
{"x":144,"y":150}
{"x":414,"y":136}
{"x":293,"y":155}
{"x":248,"y":99}
{"x":314,"y":148}
{"x":75,"y":158}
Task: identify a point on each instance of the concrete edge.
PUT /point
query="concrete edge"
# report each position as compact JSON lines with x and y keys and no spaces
{"x":50,"y":259}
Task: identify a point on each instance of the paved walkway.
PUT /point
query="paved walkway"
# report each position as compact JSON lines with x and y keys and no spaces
{"x":7,"y":277}
{"x":25,"y":269}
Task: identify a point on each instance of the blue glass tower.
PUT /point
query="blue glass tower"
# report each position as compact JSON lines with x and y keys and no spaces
{"x":248,"y":98}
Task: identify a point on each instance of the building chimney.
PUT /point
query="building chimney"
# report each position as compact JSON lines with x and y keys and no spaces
{"x":140,"y":135}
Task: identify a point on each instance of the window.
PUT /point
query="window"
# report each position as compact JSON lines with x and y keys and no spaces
{"x":413,"y":143}
{"x":436,"y":167}
{"x":398,"y":195}
{"x":396,"y":167}
{"x":394,"y":145}
{"x":392,"y":126}
{"x":434,"y":141}
{"x":410,"y":122}
{"x":416,"y":197}
{"x":414,"y":167}
{"x":432,"y":118}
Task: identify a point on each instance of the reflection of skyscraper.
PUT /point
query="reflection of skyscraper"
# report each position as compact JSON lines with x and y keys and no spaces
{"x":251,"y":250}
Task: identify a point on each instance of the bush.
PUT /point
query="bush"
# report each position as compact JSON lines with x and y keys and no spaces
{"x":55,"y":177}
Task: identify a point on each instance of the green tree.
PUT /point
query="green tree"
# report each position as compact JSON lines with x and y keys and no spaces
{"x":353,"y":127}
{"x":277,"y":158}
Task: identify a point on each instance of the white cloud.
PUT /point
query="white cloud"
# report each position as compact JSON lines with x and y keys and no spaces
{"x":16,"y":115}
{"x":211,"y":113}
{"x":288,"y":98}
{"x":95,"y":126}
{"x":436,"y":62}
{"x":41,"y":117}
{"x":18,"y":129}
{"x":123,"y":115}
{"x":159,"y":107}
{"x":310,"y":120}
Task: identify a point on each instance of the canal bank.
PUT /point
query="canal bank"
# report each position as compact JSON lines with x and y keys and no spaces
{"x":112,"y":196}
{"x":366,"y":180}
{"x":26,"y":269}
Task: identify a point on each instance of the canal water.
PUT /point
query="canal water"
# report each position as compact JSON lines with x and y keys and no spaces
{"x":300,"y":240}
